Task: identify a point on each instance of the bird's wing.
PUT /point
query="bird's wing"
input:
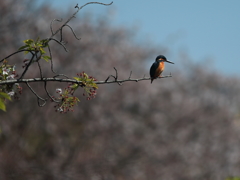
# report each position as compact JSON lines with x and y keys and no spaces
{"x":153,"y":69}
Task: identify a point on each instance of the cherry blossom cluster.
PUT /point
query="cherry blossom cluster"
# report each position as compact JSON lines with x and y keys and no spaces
{"x":8,"y":72}
{"x":66,"y":99}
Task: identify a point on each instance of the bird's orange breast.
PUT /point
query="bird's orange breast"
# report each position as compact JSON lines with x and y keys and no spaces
{"x":160,"y":69}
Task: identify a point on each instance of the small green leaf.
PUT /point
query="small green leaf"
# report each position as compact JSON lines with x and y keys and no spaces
{"x":2,"y":105}
{"x":28,"y":41}
{"x":23,"y":47}
{"x":77,"y":78}
{"x":44,"y":43}
{"x":42,"y":50}
{"x":94,"y":85}
{"x":85,"y":75}
{"x":4,"y":95}
{"x":46,"y":58}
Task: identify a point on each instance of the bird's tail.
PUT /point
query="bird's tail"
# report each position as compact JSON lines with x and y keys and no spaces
{"x":151,"y":81}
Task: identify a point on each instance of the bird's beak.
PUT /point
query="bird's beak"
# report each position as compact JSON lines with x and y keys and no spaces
{"x":169,"y":62}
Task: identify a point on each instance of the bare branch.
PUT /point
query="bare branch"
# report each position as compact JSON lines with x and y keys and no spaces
{"x":72,"y":32}
{"x":49,"y":95}
{"x":115,"y":77}
{"x":59,"y":20}
{"x":130,"y":75}
{"x":50,"y":53}
{"x":38,"y":80}
{"x":38,"y":97}
{"x":40,"y":69}
{"x":91,"y":3}
{"x":129,"y":79}
{"x":26,"y":68}
{"x":15,"y":53}
{"x":59,"y":43}
{"x":61,"y":75}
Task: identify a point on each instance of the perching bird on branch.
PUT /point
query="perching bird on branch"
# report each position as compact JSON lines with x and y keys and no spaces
{"x":158,"y":67}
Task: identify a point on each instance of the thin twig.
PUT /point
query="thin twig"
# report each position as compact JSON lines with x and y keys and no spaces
{"x":61,"y":34}
{"x":59,"y":20}
{"x":50,"y":54}
{"x":115,"y":77}
{"x":61,"y":75}
{"x":73,"y":32}
{"x":26,"y":68}
{"x":127,"y":80}
{"x":38,"y":97}
{"x":59,"y":43}
{"x":49,"y":95}
{"x":130,"y":75}
{"x":40,"y":69}
{"x":16,"y":53}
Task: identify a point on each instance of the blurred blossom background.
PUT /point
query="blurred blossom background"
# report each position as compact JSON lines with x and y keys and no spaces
{"x":184,"y":127}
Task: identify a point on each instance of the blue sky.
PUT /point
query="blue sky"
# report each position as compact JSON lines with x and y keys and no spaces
{"x":204,"y":29}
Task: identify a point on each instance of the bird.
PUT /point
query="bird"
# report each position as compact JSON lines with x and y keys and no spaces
{"x":158,"y":67}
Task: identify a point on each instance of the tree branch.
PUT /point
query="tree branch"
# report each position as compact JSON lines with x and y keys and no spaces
{"x":29,"y":63}
{"x":59,"y":42}
{"x":15,"y":53}
{"x":75,"y":81}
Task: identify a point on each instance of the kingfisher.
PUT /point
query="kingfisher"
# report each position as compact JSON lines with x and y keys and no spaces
{"x":158,"y":67}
